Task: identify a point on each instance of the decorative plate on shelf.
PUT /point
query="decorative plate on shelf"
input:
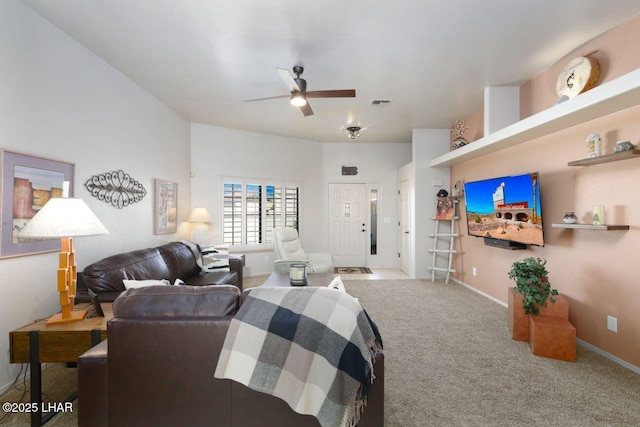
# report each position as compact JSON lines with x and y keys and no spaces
{"x":579,"y":76}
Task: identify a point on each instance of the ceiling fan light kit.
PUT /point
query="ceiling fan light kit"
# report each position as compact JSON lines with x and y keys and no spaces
{"x":299,"y":95}
{"x":298,"y":100}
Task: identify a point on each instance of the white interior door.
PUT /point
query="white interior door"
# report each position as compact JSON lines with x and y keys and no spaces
{"x":405,"y":225}
{"x":348,"y":224}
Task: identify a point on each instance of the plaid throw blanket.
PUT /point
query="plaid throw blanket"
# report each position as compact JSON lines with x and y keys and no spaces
{"x":312,"y":347}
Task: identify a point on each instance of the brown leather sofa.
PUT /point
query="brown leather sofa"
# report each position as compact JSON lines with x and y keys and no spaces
{"x":175,"y":260}
{"x":156,"y":368}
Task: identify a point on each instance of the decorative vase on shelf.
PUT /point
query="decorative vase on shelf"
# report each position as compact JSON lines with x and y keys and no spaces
{"x":569,"y":217}
{"x":593,"y":145}
{"x":457,"y":129}
{"x":458,"y":142}
{"x":623,"y":146}
{"x":598,"y":215}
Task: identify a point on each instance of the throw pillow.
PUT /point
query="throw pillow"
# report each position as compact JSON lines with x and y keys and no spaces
{"x":131,"y":284}
{"x":336,"y":283}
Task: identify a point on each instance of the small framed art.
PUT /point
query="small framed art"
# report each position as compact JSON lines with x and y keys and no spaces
{"x":165,"y":207}
{"x":444,"y":209}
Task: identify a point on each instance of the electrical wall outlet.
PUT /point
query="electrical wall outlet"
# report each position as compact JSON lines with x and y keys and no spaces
{"x":474,"y":271}
{"x":612,"y":323}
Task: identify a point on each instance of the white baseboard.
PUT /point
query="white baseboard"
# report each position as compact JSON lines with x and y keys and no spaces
{"x":23,"y":373}
{"x":6,"y":387}
{"x":25,"y":376}
{"x":471,"y":288}
{"x":592,"y":347}
{"x":609,"y":356}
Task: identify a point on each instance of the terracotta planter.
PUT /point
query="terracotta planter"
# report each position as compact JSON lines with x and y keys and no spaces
{"x":519,"y":321}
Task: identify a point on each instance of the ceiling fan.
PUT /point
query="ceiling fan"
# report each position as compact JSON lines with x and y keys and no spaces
{"x":298,"y":87}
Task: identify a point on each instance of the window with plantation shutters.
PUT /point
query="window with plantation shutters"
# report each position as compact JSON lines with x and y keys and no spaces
{"x":253,"y":215}
{"x":253,"y":209}
{"x":232,"y":213}
{"x":273,"y":211}
{"x":291,"y":196}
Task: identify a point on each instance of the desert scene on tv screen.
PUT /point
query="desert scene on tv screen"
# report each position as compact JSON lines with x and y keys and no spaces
{"x":505,"y":208}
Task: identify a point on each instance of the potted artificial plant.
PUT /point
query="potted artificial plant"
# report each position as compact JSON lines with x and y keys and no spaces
{"x":531,"y":277}
{"x":531,"y":292}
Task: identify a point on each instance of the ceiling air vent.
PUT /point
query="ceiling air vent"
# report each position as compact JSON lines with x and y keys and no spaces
{"x":381,"y":102}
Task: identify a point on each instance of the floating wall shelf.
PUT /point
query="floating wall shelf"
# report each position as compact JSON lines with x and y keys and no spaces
{"x":606,"y":158}
{"x":610,"y":97}
{"x":604,"y":227}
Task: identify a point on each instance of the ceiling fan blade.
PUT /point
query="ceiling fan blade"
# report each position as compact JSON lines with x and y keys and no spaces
{"x":297,"y":85}
{"x":306,"y":110}
{"x":288,"y":80}
{"x":267,"y":98}
{"x":338,"y":93}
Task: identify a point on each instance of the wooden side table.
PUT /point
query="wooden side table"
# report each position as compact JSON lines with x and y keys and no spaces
{"x":38,"y":343}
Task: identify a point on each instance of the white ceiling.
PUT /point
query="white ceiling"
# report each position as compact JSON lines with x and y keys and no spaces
{"x":432,"y":58}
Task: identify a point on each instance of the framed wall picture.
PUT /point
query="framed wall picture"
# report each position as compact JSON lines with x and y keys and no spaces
{"x":28,"y":182}
{"x":444,"y":209}
{"x":165,"y":219}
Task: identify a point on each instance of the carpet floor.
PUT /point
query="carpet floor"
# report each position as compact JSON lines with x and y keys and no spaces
{"x":450,"y":361}
{"x":58,"y":383}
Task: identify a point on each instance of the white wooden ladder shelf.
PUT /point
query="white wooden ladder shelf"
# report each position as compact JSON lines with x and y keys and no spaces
{"x":447,"y":212}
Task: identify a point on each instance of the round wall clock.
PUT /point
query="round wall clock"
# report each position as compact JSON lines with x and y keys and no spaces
{"x":579,"y":76}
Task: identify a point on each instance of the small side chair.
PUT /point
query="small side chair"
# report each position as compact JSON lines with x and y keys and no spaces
{"x":288,"y":250}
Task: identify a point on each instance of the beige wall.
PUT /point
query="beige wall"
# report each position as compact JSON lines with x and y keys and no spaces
{"x":617,"y":52}
{"x":476,"y":127}
{"x":595,"y":270}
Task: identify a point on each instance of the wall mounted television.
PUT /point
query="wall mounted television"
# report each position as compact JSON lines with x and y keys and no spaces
{"x":505,"y":211}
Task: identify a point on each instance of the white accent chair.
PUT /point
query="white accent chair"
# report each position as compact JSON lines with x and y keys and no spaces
{"x":288,"y":250}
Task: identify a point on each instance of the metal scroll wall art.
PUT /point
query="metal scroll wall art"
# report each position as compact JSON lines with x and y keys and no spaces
{"x":115,"y":188}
